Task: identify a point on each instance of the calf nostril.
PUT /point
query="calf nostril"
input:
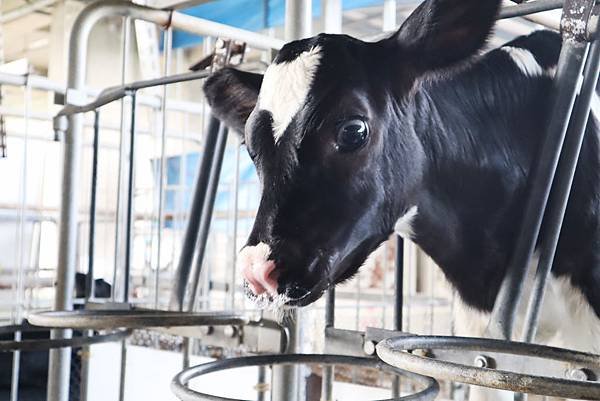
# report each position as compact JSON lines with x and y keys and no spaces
{"x":296,"y":292}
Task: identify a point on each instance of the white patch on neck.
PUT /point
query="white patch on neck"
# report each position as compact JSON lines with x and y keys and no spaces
{"x":566,"y":319}
{"x":285,"y":87}
{"x":403,"y":226}
{"x":526,"y":62}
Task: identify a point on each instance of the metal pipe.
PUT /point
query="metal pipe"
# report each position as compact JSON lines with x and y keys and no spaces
{"x":332,"y":16}
{"x":27,"y":9}
{"x":168,"y":44}
{"x":389,"y":15}
{"x":561,"y":189}
{"x":204,"y":27}
{"x":207,"y":210}
{"x":190,"y":237}
{"x":328,"y":371}
{"x":530,"y":7}
{"x":89,"y":282}
{"x":570,"y":66}
{"x":129,"y":213}
{"x":126,"y":28}
{"x":298,"y":19}
{"x":398,"y":300}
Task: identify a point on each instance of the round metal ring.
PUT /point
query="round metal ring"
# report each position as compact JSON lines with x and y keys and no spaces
{"x":392,"y":351}
{"x":178,"y":385}
{"x":46,"y":344}
{"x":133,"y":319}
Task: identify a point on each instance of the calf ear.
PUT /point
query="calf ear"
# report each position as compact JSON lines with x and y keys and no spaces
{"x":232,"y":95}
{"x":441,"y":33}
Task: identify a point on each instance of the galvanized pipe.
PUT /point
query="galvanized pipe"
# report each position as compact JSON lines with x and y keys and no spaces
{"x":398,"y":300}
{"x":561,"y":188}
{"x":214,"y":173}
{"x":570,"y":66}
{"x":190,"y":238}
{"x":328,"y":371}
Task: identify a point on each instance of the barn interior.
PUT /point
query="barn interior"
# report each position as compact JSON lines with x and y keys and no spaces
{"x":134,"y":326}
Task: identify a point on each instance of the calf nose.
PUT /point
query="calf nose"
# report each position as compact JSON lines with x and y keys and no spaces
{"x":258,"y":271}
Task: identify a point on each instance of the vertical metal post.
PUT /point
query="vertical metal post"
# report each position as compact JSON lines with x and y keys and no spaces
{"x":89,"y":281}
{"x":192,"y":230}
{"x":20,"y":264}
{"x":398,"y":301}
{"x":126,"y":35}
{"x":332,"y":16}
{"x":570,"y":66}
{"x":561,"y":188}
{"x":298,"y":19}
{"x":389,"y":15}
{"x":129,"y":231}
{"x":328,"y":371}
{"x":168,"y":44}
{"x":218,"y":152}
{"x":129,"y":224}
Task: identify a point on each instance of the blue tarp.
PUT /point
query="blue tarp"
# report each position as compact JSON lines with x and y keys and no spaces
{"x":253,"y":15}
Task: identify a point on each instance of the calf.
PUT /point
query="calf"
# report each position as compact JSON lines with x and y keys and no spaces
{"x":417,"y":133}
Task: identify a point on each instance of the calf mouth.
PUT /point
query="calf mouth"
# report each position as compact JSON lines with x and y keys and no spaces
{"x":285,"y":299}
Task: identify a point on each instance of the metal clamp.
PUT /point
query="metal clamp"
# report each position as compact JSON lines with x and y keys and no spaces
{"x":429,"y":391}
{"x":547,"y":370}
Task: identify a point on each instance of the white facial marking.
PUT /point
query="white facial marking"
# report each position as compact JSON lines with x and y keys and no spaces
{"x":403,"y":226}
{"x":254,"y":254}
{"x":526,"y":62}
{"x":285,"y":87}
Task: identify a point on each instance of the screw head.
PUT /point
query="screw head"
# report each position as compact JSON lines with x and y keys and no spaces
{"x":577,"y":374}
{"x":369,"y":347}
{"x":481,"y":361}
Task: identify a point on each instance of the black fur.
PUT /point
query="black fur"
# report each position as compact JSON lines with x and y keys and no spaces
{"x":459,"y":147}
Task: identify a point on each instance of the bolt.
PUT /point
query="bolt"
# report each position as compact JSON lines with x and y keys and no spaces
{"x":577,"y":374}
{"x":230,"y":331}
{"x":207,"y":330}
{"x":482,"y":361}
{"x":369,"y":347}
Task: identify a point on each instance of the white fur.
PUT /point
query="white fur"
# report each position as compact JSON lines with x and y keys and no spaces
{"x":253,"y":254}
{"x":403,"y":226}
{"x":285,"y":87}
{"x":526,"y":62}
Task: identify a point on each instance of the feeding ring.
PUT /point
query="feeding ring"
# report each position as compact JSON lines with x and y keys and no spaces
{"x":46,"y":344}
{"x":131,"y":318}
{"x":537,"y":360}
{"x":178,"y":385}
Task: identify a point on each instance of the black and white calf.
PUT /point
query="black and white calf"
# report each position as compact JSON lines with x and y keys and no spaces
{"x":417,"y":133}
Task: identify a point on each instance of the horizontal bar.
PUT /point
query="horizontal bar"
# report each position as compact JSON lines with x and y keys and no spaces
{"x":531,"y":7}
{"x":111,"y":94}
{"x":205,"y":27}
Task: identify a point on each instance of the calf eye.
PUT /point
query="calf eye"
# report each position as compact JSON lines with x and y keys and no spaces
{"x":352,"y":135}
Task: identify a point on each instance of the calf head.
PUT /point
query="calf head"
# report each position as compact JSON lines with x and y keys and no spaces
{"x":330,"y":129}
